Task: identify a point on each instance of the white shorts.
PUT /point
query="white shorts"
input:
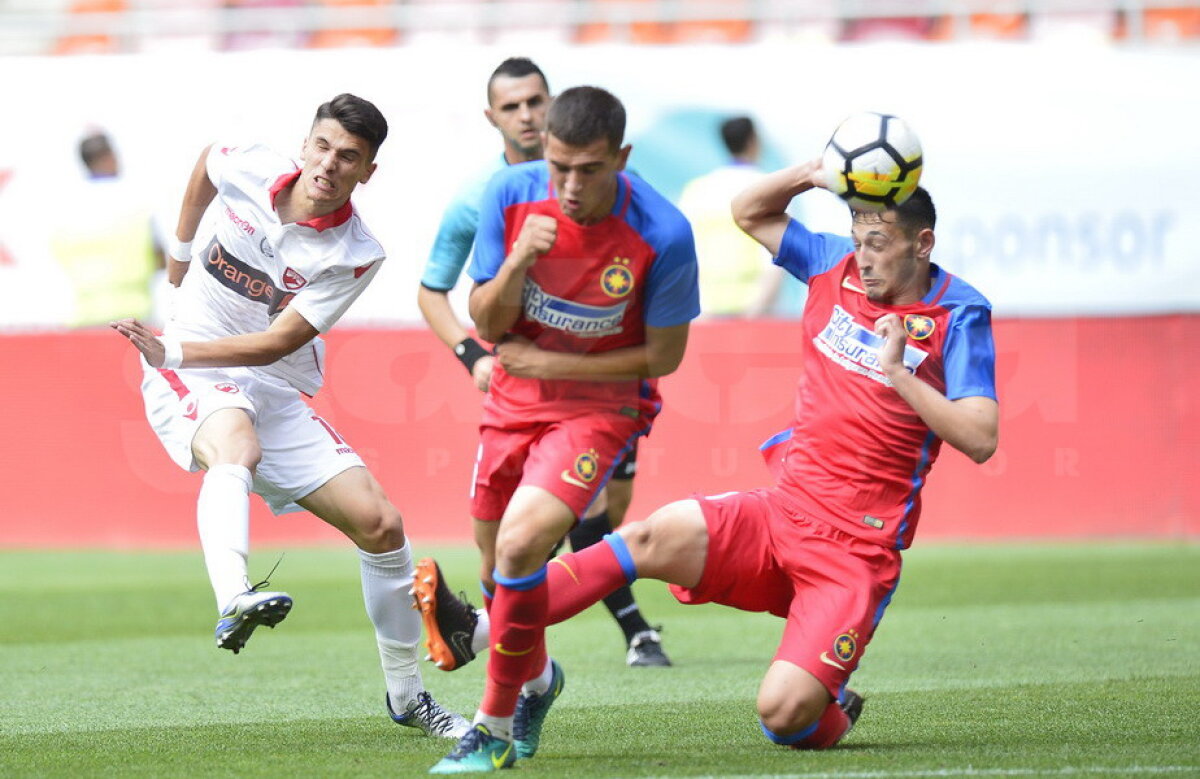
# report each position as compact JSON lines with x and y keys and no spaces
{"x":300,"y":451}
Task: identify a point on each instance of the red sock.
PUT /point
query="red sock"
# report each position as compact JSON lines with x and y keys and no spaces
{"x":518,"y":618}
{"x":830,"y":728}
{"x":579,"y":579}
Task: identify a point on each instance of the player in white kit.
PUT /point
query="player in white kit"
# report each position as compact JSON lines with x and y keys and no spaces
{"x":282,"y":254}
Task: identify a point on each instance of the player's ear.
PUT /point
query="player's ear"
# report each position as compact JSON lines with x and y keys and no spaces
{"x":370,"y":172}
{"x":487,"y":112}
{"x":623,"y":156}
{"x":925,"y":241}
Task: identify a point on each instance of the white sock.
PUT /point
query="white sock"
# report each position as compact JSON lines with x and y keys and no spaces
{"x":500,"y":727}
{"x":400,"y":673}
{"x":223,"y":519}
{"x":481,"y":638}
{"x":540,"y":684}
{"x":386,"y":581}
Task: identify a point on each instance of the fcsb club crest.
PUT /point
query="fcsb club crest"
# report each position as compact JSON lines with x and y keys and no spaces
{"x":227,"y":386}
{"x":617,"y":279}
{"x":587,"y":466}
{"x":584,"y":470}
{"x":918,"y":326}
{"x":845,"y":645}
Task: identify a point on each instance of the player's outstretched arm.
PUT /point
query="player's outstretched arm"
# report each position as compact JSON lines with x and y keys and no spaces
{"x":761,"y":209}
{"x":971,"y":425}
{"x":196,"y":198}
{"x":286,"y":334}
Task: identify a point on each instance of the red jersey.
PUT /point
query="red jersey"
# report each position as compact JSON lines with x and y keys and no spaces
{"x":858,"y":455}
{"x":597,"y":289}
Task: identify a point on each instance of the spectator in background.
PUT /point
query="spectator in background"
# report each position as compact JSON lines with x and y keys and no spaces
{"x":103,"y":238}
{"x":737,"y":278}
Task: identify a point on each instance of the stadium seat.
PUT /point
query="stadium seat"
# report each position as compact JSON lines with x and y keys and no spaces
{"x":735,"y":28}
{"x":335,"y":37}
{"x":990,"y":26}
{"x":90,"y":43}
{"x":894,"y":28}
{"x":264,"y":38}
{"x":1169,"y":25}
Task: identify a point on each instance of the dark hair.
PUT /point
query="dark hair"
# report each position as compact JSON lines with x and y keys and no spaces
{"x":917,"y":213}
{"x":94,"y":147}
{"x":737,"y":133}
{"x":583,"y":115}
{"x":515,"y":67}
{"x":358,"y":117}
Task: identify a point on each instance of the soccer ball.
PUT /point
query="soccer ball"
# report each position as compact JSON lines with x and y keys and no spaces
{"x":872,"y":161}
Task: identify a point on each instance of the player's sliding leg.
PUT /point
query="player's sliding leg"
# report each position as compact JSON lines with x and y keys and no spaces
{"x":795,"y":709}
{"x":226,"y":444}
{"x":643,"y":641}
{"x":354,"y":503}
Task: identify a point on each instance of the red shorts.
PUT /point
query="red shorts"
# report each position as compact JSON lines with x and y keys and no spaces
{"x":832,"y":588}
{"x":570,"y":458}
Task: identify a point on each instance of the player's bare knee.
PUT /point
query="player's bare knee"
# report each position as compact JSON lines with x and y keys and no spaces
{"x":671,"y":535}
{"x":785,"y":712}
{"x":235,"y":450}
{"x":521,"y":548}
{"x":379,"y":529}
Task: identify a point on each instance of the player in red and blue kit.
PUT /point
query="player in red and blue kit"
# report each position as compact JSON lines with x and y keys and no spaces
{"x":586,"y":280}
{"x":898,"y":358}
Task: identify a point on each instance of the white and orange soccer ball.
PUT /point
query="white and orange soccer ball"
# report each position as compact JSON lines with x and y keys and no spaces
{"x":873,"y":161}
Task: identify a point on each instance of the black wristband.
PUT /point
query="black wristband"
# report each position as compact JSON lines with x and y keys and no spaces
{"x":468,"y":351}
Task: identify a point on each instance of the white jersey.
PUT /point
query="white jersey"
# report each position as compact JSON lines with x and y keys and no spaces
{"x":247,"y":266}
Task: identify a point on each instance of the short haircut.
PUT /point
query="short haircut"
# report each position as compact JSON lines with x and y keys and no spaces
{"x":912,"y":216}
{"x":358,"y":117}
{"x":917,"y":213}
{"x":94,"y":147}
{"x":516,"y":67}
{"x":737,"y":133}
{"x":583,"y":115}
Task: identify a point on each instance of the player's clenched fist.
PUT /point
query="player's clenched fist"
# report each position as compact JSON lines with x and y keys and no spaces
{"x":891,"y":356}
{"x":535,"y":239}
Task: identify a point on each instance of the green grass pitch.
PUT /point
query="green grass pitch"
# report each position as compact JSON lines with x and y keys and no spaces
{"x":993,"y":660}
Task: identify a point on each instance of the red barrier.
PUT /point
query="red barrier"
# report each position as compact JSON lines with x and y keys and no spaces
{"x":1099,"y":434}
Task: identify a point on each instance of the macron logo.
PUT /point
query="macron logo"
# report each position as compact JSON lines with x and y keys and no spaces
{"x":242,"y":224}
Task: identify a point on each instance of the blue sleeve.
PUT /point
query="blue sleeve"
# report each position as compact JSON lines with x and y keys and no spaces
{"x":969,"y":354}
{"x":805,"y":254}
{"x":452,"y":246}
{"x":673,"y":288}
{"x":489,"y":238}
